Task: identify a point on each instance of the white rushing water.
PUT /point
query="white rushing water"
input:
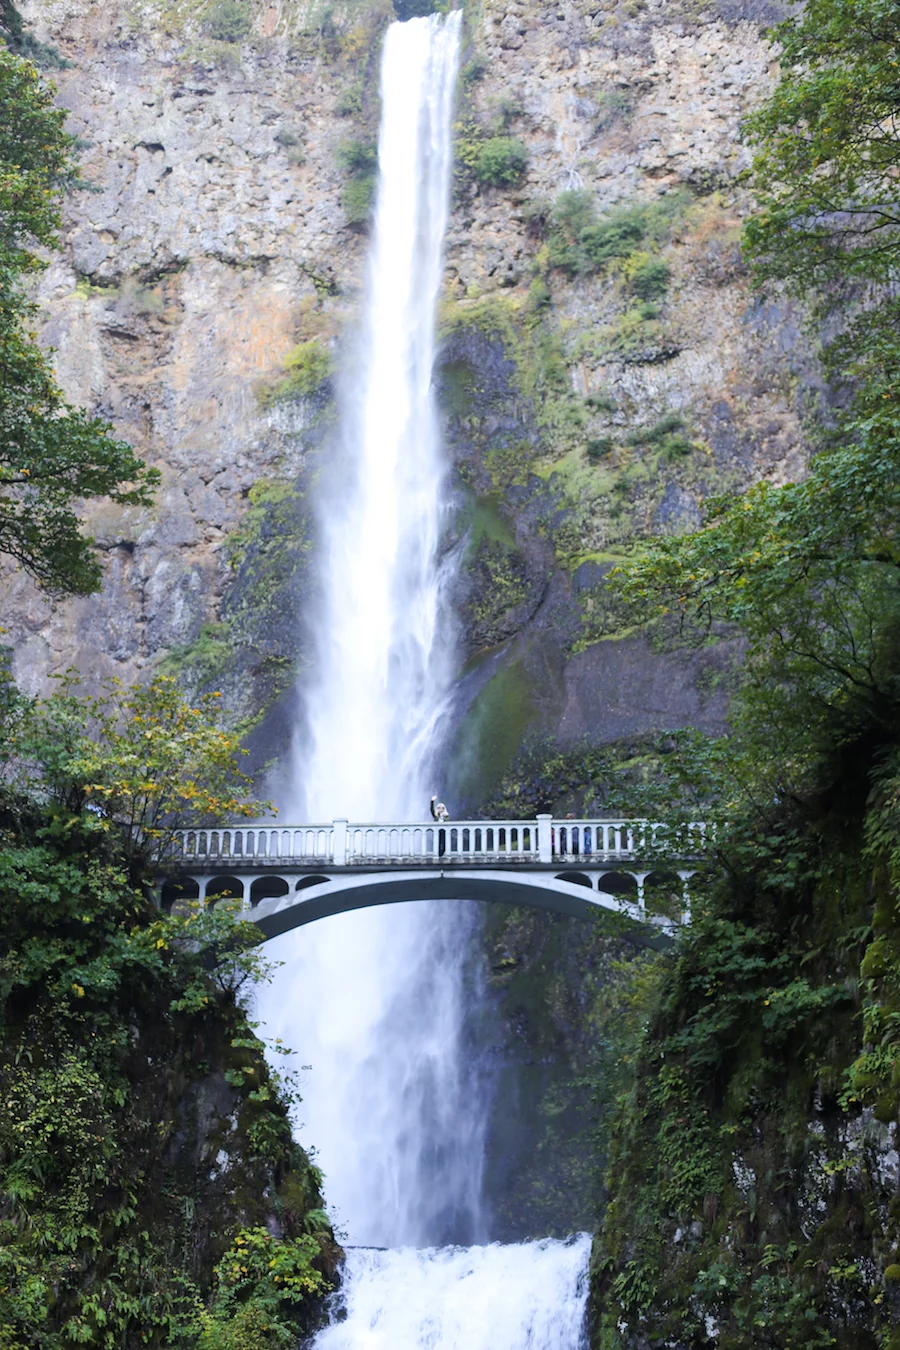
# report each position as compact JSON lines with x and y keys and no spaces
{"x":527,"y":1296}
{"x":375,"y":1001}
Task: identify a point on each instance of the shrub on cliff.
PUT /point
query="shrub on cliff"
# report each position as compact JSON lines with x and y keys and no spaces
{"x":52,"y":455}
{"x":500,"y":161}
{"x":228,"y":20}
{"x":16,"y":36}
{"x":306,"y":368}
{"x":357,"y":199}
{"x":650,"y":278}
{"x":360,"y":160}
{"x":580,"y":241}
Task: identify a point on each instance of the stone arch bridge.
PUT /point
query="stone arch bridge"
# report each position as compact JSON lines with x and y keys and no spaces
{"x":290,"y":875}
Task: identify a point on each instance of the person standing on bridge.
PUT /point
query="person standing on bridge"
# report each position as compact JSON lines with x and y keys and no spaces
{"x":439,"y":811}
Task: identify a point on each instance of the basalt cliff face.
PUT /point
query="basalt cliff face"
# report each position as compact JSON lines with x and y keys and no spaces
{"x":604,"y":369}
{"x":215,"y":262}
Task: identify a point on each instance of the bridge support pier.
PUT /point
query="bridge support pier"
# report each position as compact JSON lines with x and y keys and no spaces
{"x":248,"y":879}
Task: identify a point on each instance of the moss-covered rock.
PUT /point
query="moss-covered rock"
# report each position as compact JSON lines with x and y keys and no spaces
{"x":753,"y":1168}
{"x":254,"y":651}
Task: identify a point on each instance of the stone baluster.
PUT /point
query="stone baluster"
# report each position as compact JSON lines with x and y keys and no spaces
{"x":686,"y":901}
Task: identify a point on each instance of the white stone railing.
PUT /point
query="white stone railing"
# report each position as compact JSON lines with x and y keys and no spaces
{"x":345,"y":844}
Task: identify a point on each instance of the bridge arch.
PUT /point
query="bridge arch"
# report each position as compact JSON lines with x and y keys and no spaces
{"x":308,"y":881}
{"x":578,"y":878}
{"x":323,"y":896}
{"x":174,"y":889}
{"x":224,"y":888}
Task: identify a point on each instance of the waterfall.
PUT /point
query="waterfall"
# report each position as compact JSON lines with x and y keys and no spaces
{"x":526,"y":1296}
{"x":383,"y":667}
{"x":375,"y":1001}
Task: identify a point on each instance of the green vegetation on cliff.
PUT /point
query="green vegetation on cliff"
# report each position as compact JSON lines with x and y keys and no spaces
{"x":500,"y":161}
{"x":753,"y":1178}
{"x":150,"y":1190}
{"x":579,"y":241}
{"x":52,"y":455}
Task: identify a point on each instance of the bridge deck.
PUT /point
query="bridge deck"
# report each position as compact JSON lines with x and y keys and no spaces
{"x":542,"y":842}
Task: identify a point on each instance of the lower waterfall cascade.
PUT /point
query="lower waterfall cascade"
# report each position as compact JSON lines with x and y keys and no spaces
{"x":509,"y":1297}
{"x":395,"y":1103}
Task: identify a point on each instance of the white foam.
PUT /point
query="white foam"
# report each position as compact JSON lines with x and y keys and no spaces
{"x":526,"y":1296}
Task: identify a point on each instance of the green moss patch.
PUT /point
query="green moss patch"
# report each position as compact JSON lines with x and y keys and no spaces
{"x":306,"y":368}
{"x":492,"y":730}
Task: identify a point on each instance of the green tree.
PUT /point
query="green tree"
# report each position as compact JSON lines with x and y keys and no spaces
{"x":52,"y":455}
{"x":827,"y":152}
{"x":144,"y":761}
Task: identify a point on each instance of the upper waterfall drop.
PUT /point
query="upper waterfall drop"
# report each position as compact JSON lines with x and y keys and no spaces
{"x":383,"y":664}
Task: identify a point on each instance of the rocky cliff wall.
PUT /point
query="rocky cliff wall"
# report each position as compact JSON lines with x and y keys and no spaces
{"x":215,"y":263}
{"x":209,"y":278}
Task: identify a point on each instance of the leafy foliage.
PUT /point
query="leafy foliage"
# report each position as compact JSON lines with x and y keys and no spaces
{"x":142,"y":761}
{"x":360,"y":160}
{"x":358,"y":157}
{"x":228,"y":20}
{"x":52,"y":455}
{"x":16,"y":36}
{"x":144,"y":1143}
{"x":650,"y":279}
{"x":500,"y":161}
{"x":580,"y":241}
{"x":827,"y":150}
{"x":306,"y":368}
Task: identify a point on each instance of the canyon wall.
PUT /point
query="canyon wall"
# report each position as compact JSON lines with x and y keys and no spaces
{"x":212,"y":267}
{"x":214,"y":259}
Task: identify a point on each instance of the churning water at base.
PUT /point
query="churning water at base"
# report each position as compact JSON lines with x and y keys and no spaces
{"x":529,"y":1296}
{"x":376,"y":1001}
